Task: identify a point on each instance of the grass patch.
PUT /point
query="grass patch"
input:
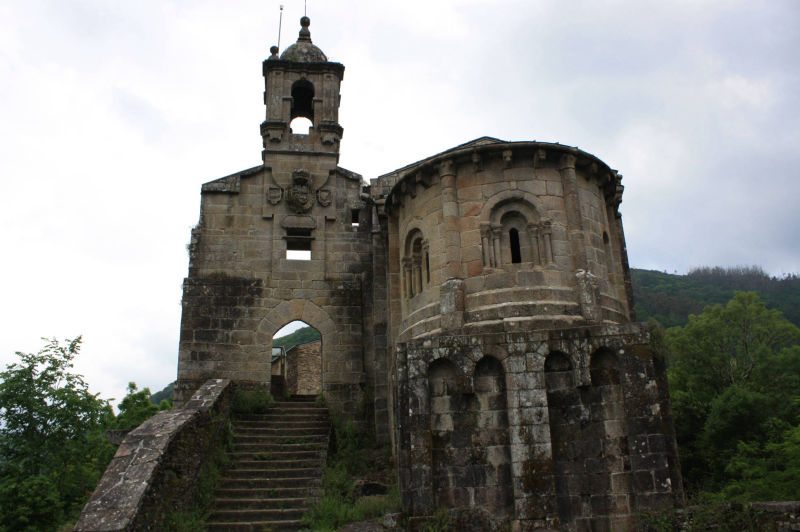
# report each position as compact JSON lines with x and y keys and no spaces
{"x":353,"y":454}
{"x":712,"y":515}
{"x":256,"y":401}
{"x":439,"y":522}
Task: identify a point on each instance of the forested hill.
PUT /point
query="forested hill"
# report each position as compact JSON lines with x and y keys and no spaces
{"x":300,"y":336}
{"x":670,"y":298}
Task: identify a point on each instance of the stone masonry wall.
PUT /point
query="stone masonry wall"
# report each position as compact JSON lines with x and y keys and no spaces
{"x":241,"y":241}
{"x":304,"y":369}
{"x":530,"y":229}
{"x":570,"y":418}
{"x":155,"y":469}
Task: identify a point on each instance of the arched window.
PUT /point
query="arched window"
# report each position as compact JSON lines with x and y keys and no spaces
{"x":514,"y":233}
{"x":427,"y":267}
{"x":415,"y":264}
{"x":513,"y":240}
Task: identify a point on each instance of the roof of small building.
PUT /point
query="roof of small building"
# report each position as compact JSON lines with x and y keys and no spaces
{"x":304,"y":51}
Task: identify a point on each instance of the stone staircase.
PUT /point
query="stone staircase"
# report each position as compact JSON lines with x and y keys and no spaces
{"x":275,"y":471}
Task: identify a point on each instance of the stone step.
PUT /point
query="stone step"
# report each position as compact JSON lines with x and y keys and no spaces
{"x":286,"y":417}
{"x":281,"y":493}
{"x":287,"y":525}
{"x":265,"y":482}
{"x":296,"y":404}
{"x":279,"y":514}
{"x":294,"y":430}
{"x":275,"y":468}
{"x":273,"y":438}
{"x":257,"y":447}
{"x":279,"y":455}
{"x":304,"y":397}
{"x":273,"y":473}
{"x":283,"y":421}
{"x":272,"y":463}
{"x":272,"y":503}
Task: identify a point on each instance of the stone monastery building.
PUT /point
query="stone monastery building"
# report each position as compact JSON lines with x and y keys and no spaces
{"x":476,"y":303}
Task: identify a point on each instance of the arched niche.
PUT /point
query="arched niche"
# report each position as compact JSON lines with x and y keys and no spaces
{"x":565,"y":417}
{"x":490,"y":468}
{"x":451,"y":426}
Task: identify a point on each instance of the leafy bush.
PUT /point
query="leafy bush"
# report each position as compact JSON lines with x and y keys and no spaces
{"x":256,"y":401}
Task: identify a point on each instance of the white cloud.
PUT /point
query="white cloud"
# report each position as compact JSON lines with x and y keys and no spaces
{"x":113,"y":114}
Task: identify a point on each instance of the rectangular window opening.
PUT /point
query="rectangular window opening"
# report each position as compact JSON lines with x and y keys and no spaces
{"x":354,"y":217}
{"x":298,"y":244}
{"x":298,"y":254}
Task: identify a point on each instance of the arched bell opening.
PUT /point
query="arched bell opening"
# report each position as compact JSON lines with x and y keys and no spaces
{"x":302,"y":100}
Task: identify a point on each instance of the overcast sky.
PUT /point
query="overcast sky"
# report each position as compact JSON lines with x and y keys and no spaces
{"x":112,"y":114}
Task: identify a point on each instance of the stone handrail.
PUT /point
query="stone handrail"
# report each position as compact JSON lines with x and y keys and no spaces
{"x":155,"y":469}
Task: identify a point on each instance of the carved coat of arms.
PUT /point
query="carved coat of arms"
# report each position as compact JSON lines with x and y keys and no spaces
{"x":324,"y":196}
{"x":299,"y":195}
{"x":274,"y":195}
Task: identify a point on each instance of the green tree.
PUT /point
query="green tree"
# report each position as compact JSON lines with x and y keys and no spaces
{"x":766,"y":471}
{"x":734,"y":372}
{"x":135,"y":408}
{"x":52,"y":451}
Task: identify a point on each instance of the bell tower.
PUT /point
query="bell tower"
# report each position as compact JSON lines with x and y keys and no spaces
{"x":302,"y":83}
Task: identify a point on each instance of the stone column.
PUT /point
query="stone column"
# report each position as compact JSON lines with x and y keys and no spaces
{"x":497,"y":237}
{"x":416,"y":275}
{"x":408,"y":286}
{"x":533,"y":233}
{"x":486,"y":248}
{"x":425,"y":263}
{"x":569,"y":181}
{"x":547,"y":236}
{"x":450,"y":230}
{"x":451,"y":292}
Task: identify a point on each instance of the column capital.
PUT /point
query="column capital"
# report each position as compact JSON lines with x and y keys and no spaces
{"x":568,"y":160}
{"x":447,"y":167}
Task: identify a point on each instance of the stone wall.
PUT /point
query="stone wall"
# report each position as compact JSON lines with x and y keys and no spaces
{"x":555,"y":429}
{"x":156,"y":467}
{"x":243,"y":287}
{"x":304,"y":369}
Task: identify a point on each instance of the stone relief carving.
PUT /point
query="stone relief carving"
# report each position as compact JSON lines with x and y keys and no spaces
{"x":274,"y":195}
{"x":299,"y":195}
{"x":324,"y":196}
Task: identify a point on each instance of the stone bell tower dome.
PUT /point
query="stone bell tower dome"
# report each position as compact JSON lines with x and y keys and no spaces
{"x":302,"y":83}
